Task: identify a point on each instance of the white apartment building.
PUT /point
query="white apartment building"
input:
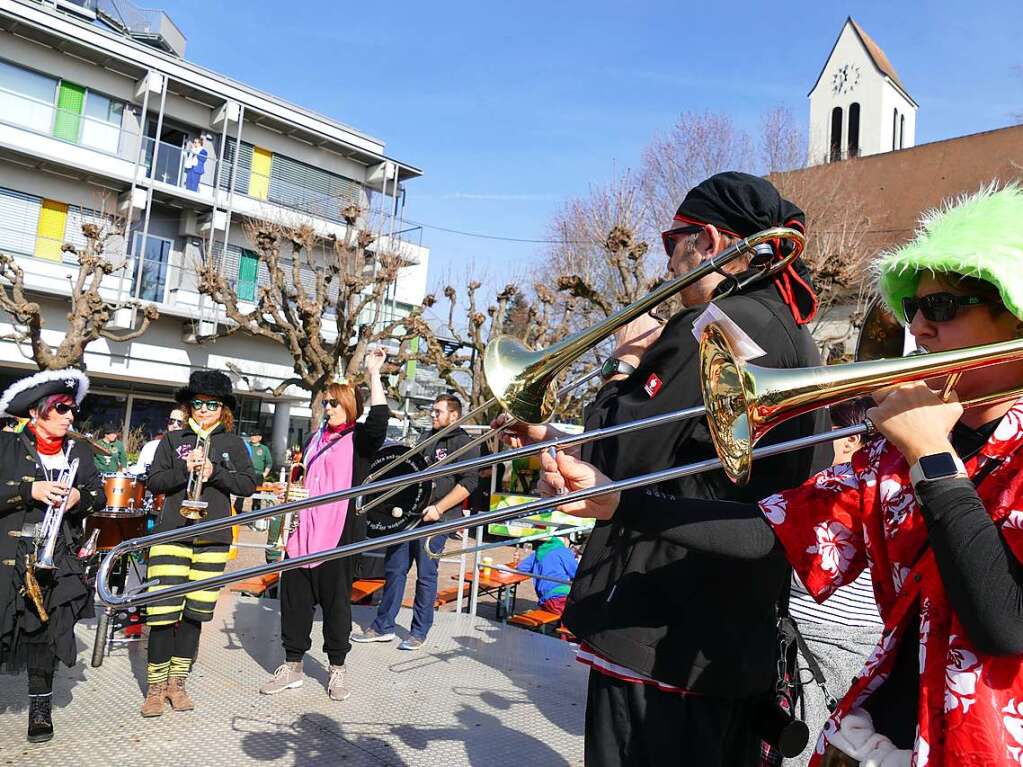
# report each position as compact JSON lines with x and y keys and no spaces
{"x":99,"y":112}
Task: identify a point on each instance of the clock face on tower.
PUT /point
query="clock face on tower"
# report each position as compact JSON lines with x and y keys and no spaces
{"x":845,"y":79}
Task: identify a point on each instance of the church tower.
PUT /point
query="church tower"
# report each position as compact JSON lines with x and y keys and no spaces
{"x":858,"y":106}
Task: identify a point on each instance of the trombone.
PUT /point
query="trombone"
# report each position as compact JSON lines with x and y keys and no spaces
{"x":524,"y":383}
{"x":810,"y":388}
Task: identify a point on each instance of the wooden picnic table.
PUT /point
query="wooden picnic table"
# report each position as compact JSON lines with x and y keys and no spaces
{"x":502,"y":586}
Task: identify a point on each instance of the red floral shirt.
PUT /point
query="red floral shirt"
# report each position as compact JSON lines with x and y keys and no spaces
{"x":865,"y":515}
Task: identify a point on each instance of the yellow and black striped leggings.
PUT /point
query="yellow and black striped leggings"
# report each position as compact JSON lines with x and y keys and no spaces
{"x":177,"y":563}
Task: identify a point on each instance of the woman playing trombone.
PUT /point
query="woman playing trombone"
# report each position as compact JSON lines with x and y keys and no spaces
{"x":208,"y":461}
{"x":932,"y":508}
{"x":39,"y":606}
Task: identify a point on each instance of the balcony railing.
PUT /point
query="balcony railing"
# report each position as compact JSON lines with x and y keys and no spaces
{"x":48,"y":120}
{"x":151,"y":26}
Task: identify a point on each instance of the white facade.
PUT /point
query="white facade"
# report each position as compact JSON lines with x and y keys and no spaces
{"x":858,"y":105}
{"x":92,"y":122}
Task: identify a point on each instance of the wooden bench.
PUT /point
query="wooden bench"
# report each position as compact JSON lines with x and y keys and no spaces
{"x":566,"y":636}
{"x":536,"y":620}
{"x":443,"y":596}
{"x":365,"y":588}
{"x":256,"y":587}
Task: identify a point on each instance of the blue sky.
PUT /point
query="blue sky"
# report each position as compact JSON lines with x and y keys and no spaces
{"x":511,"y":108}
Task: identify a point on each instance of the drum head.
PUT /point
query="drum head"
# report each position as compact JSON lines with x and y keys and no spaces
{"x":404,"y":509}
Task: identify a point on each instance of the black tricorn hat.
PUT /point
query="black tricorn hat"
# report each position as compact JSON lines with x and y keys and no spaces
{"x":211,"y":382}
{"x":21,"y":396}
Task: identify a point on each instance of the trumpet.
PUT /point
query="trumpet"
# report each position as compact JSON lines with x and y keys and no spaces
{"x":54,"y":519}
{"x":193,"y":507}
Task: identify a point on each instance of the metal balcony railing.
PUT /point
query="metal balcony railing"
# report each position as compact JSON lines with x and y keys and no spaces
{"x":150,"y":26}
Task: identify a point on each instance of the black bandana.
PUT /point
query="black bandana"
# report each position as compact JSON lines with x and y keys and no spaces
{"x":739,"y":205}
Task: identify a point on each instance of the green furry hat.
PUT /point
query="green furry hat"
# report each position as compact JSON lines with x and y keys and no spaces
{"x":979,"y":235}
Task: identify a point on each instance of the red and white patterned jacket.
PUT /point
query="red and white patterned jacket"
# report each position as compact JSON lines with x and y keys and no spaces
{"x":865,"y":514}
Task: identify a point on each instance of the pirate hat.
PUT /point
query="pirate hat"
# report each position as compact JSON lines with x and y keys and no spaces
{"x":23,"y":395}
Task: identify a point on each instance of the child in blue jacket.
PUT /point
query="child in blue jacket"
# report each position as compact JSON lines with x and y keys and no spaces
{"x":555,"y":560}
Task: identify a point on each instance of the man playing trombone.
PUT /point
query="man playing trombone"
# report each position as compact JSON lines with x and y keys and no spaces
{"x":682,"y":645}
{"x":40,"y":600}
{"x":932,"y":508}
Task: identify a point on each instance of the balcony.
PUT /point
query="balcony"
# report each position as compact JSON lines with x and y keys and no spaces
{"x":149,"y":26}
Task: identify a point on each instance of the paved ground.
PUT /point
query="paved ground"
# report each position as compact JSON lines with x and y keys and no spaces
{"x":479,"y":693}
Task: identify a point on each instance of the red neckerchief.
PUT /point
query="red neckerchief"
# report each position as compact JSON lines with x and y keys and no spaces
{"x":339,"y":428}
{"x":46,"y":445}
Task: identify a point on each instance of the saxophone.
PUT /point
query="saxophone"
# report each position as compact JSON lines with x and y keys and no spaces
{"x":32,"y":590}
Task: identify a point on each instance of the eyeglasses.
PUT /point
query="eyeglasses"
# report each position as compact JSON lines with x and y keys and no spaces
{"x":671,"y":237}
{"x":178,"y":421}
{"x":938,"y":307}
{"x":64,"y":408}
{"x":211,"y":405}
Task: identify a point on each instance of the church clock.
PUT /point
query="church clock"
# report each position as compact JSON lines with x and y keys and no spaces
{"x":845,"y":79}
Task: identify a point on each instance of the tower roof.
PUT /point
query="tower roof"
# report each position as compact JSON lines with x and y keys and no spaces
{"x":877,"y":56}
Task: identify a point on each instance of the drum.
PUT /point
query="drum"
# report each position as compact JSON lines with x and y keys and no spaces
{"x":125,"y":494}
{"x":404,"y":509}
{"x":114,"y":528}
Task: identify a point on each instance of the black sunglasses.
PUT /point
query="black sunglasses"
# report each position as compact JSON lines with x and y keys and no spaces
{"x":178,"y":421}
{"x":671,"y":237}
{"x":64,"y":408}
{"x":938,"y":307}
{"x":331,"y":402}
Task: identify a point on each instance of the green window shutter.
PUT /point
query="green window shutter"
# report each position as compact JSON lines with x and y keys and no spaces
{"x":68,"y":121}
{"x":248,"y":272}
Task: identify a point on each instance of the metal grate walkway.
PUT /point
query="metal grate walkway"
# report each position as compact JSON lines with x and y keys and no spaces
{"x":478,"y":693}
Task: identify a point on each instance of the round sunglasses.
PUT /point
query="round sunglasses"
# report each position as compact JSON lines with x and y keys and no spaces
{"x":938,"y":307}
{"x":211,"y":405}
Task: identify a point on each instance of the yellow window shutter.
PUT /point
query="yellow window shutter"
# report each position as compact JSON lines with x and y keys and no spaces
{"x":50,"y":233}
{"x":259,"y":177}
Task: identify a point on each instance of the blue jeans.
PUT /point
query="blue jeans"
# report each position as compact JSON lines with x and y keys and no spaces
{"x":397,"y":563}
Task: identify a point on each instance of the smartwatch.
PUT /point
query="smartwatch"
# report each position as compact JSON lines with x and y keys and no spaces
{"x":937,"y":466}
{"x":613,"y":366}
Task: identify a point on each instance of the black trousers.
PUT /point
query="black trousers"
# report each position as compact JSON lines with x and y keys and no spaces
{"x":637,"y":725}
{"x":328,"y":585}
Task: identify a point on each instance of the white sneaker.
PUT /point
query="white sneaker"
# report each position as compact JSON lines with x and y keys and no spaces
{"x":369,"y":635}
{"x":288,"y":676}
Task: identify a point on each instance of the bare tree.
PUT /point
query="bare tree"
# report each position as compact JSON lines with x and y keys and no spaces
{"x":90,"y":311}
{"x":696,"y":147}
{"x":322,"y":300}
{"x":782,"y":143}
{"x":837,"y":252}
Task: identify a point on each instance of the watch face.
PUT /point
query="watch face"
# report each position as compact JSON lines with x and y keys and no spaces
{"x":938,"y":465}
{"x":845,"y":79}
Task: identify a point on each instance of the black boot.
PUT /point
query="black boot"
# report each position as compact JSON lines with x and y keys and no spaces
{"x":40,"y":724}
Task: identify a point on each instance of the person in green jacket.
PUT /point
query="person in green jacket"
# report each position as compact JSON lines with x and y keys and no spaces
{"x":262,"y":461}
{"x":118,"y":458}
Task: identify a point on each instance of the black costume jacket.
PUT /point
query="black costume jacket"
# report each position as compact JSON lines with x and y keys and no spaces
{"x":232,"y":475}
{"x":680,"y":616}
{"x":66,"y":595}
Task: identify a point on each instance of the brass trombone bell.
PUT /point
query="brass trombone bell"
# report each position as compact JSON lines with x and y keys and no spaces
{"x":523,"y":381}
{"x":745,"y":401}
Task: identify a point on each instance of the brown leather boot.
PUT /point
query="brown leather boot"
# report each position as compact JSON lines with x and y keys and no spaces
{"x":153,"y":705}
{"x":176,"y":695}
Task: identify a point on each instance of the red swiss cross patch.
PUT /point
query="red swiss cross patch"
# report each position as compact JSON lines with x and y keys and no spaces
{"x":652,"y":385}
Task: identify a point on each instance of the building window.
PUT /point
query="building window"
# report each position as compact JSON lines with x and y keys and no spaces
{"x":19,"y":221}
{"x":902,"y":131}
{"x":26,"y":97}
{"x":102,"y":126}
{"x":836,"y":134}
{"x":854,"y":130}
{"x":895,"y":130}
{"x":154,"y":264}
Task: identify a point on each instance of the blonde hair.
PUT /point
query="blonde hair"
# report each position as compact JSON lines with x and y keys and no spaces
{"x":348,"y":396}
